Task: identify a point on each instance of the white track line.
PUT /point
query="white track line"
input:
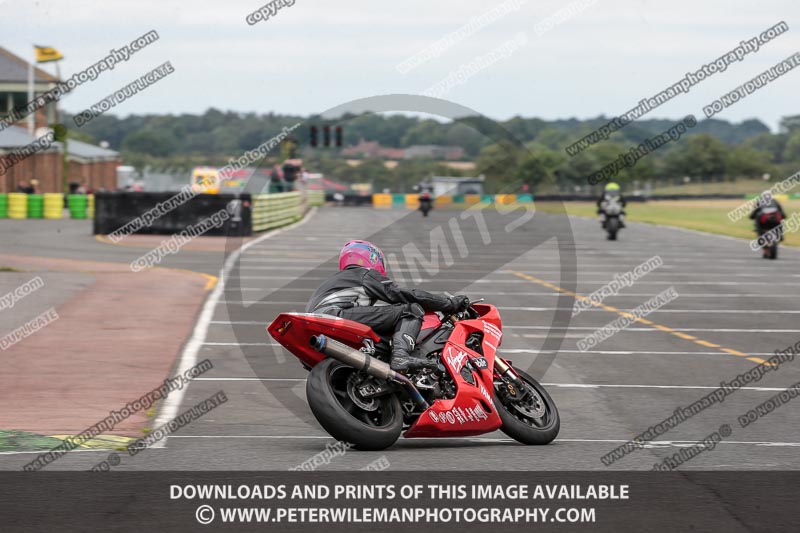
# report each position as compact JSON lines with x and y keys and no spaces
{"x":560,"y":328}
{"x":717,"y":330}
{"x":678,"y":443}
{"x":662,"y":310}
{"x":550,"y":293}
{"x":560,"y":385}
{"x":172,"y":403}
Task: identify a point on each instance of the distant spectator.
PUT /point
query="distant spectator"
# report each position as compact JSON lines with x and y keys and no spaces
{"x":23,"y":187}
{"x":81,"y":189}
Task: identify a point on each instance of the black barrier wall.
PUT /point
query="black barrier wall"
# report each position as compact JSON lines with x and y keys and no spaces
{"x":162,"y":213}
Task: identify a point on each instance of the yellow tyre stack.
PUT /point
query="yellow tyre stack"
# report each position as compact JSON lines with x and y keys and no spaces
{"x":53,"y":205}
{"x":17,"y":205}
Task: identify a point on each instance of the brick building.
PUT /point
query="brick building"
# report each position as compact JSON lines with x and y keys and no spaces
{"x":44,"y":165}
{"x":85,"y":163}
{"x":92,"y":165}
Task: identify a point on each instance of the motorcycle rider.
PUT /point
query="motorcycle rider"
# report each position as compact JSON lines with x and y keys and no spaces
{"x":768,"y":215}
{"x":611,"y":202}
{"x":360,"y":291}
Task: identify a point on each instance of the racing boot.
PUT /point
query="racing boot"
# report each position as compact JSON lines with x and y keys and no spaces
{"x":404,"y":341}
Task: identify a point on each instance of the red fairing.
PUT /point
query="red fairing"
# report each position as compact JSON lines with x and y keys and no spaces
{"x":293,"y":331}
{"x":472,"y":411}
{"x":431,"y":320}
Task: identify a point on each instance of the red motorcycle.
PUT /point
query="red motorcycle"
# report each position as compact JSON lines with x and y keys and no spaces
{"x":359,"y":399}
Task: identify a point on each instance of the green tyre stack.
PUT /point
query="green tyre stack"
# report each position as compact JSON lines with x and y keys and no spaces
{"x":76,"y":203}
{"x":35,"y":206}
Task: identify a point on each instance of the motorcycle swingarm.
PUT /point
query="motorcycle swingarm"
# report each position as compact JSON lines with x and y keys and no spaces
{"x":375,"y":389}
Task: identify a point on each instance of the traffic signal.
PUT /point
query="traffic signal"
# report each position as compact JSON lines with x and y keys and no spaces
{"x":326,"y":136}
{"x":314,"y":133}
{"x":338,"y":136}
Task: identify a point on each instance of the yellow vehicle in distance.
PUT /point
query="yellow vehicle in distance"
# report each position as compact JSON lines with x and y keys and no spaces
{"x":205,"y":180}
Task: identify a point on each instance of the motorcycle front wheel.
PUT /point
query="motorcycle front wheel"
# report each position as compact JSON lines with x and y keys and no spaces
{"x":367,"y":424}
{"x":533,"y":420}
{"x":612,"y":226}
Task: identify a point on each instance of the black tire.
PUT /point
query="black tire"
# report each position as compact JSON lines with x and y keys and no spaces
{"x":527,"y":432}
{"x":612,"y":227}
{"x":342,"y":418}
{"x":773,"y":251}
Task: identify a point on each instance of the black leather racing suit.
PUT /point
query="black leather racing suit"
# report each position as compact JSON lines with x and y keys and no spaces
{"x":364,"y":295}
{"x":617,"y":201}
{"x":767,"y":216}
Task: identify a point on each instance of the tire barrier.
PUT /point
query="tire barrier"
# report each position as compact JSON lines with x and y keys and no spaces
{"x":35,"y":206}
{"x":17,"y":205}
{"x":275,"y":210}
{"x":411,"y":201}
{"x":382,"y":201}
{"x":152,"y":213}
{"x":3,"y":205}
{"x":76,"y":203}
{"x":505,"y":199}
{"x":472,"y":199}
{"x":53,"y":205}
{"x":443,"y":201}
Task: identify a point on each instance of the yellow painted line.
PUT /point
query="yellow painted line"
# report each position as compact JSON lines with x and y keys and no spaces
{"x":664,"y":328}
{"x":707,"y":344}
{"x":100,"y":442}
{"x":667,"y":329}
{"x":211,"y":281}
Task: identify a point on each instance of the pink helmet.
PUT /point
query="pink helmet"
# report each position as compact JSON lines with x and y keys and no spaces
{"x":362,"y":253}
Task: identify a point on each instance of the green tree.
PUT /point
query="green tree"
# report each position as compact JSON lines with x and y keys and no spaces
{"x":701,"y":156}
{"x":791,"y":152}
{"x":151,"y":142}
{"x":748,"y":162}
{"x":537,"y":168}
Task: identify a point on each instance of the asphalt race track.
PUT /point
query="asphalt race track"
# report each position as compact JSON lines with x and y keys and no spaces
{"x":733,"y":310}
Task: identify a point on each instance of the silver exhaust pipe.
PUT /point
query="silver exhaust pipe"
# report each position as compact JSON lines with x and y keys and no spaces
{"x":367,"y":364}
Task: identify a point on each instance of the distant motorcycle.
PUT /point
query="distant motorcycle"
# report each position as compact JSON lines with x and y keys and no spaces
{"x":612,"y":222}
{"x":770,"y":231}
{"x":425,"y":203}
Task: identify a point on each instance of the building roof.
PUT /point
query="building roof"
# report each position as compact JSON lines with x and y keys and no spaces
{"x":15,"y":69}
{"x":84,"y":150}
{"x":15,"y":137}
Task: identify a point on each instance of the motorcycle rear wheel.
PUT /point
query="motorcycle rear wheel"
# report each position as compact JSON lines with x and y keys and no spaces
{"x":376,"y":424}
{"x":520,"y":420}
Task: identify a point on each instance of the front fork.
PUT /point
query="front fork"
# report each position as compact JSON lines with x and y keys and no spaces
{"x":515,"y":387}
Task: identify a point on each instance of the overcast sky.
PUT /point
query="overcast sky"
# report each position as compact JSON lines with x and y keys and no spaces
{"x":315,"y":55}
